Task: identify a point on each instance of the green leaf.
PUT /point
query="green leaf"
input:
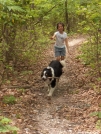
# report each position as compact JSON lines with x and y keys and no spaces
{"x":98,"y":124}
{"x":99,"y":114}
{"x":15,"y":8}
{"x":6,"y":2}
{"x":3,"y":129}
{"x":94,"y":114}
{"x":5,"y":120}
{"x":12,"y":128}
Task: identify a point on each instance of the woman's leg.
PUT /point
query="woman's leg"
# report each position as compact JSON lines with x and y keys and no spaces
{"x":62,"y":57}
{"x":63,"y":53}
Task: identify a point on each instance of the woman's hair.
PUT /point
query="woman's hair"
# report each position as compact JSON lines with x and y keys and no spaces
{"x":60,"y":23}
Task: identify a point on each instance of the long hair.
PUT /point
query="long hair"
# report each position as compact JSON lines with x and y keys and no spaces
{"x":60,"y":23}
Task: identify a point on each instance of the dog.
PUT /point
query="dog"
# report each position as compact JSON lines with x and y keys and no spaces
{"x":51,"y":75}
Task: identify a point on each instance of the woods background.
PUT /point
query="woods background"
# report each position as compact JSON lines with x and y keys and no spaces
{"x":27,"y":25}
{"x":25,"y":30}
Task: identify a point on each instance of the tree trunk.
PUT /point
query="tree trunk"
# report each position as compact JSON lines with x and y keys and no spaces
{"x":66,"y":16}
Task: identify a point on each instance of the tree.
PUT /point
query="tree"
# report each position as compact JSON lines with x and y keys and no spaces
{"x":10,"y":14}
{"x":91,"y":25}
{"x":67,"y":19}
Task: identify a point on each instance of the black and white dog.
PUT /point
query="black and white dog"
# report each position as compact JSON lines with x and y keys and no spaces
{"x":51,"y":75}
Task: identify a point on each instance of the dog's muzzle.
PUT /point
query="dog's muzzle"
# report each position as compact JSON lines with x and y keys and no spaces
{"x":44,"y":78}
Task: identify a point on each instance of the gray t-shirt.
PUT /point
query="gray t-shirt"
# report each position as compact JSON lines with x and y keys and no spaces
{"x":60,"y":38}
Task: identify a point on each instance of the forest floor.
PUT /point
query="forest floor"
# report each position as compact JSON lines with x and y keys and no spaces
{"x":68,"y":111}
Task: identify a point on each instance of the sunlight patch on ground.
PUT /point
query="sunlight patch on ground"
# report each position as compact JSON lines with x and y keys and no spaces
{"x":76,"y":41}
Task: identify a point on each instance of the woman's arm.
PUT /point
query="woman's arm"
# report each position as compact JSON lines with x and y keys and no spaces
{"x":53,"y":37}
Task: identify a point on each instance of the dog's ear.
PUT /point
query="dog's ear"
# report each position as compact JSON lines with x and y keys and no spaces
{"x":43,"y":72}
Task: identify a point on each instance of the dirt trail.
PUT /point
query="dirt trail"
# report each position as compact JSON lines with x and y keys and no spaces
{"x":78,"y":41}
{"x":68,"y":110}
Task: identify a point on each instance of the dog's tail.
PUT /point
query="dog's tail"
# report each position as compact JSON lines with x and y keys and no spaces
{"x":63,"y":63}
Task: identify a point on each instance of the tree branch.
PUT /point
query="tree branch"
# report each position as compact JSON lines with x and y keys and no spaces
{"x":40,"y":19}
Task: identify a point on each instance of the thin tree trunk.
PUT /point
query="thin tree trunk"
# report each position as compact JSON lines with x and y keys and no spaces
{"x":66,"y":16}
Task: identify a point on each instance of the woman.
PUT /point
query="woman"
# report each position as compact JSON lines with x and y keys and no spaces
{"x":61,"y":42}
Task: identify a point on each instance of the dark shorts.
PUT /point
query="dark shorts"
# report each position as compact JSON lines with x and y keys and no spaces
{"x":59,"y":51}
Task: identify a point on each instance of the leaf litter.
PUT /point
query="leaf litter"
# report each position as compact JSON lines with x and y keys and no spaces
{"x":68,"y":111}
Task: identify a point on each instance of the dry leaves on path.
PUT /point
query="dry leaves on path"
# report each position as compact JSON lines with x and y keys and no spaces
{"x":68,"y":112}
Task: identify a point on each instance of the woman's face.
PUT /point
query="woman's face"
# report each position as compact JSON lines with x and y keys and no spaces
{"x":60,"y":28}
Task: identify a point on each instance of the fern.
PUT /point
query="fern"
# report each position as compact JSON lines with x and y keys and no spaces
{"x":11,"y":6}
{"x":15,"y":8}
{"x":6,"y":2}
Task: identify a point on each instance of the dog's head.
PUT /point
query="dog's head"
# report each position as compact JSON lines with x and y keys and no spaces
{"x":46,"y":73}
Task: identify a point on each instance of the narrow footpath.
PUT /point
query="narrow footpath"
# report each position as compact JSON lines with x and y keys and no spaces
{"x":68,"y":111}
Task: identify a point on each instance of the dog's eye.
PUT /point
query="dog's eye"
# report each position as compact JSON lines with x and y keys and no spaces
{"x":46,"y":74}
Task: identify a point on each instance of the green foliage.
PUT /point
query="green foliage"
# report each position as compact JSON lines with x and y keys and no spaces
{"x":18,"y":116}
{"x":26,"y":25}
{"x":5,"y":126}
{"x":91,"y":54}
{"x":98,"y":114}
{"x":10,"y":12}
{"x":9,"y":99}
{"x":89,"y":23}
{"x":98,"y":124}
{"x":21,"y":90}
{"x":86,"y":54}
{"x":97,"y":89}
{"x":99,"y":78}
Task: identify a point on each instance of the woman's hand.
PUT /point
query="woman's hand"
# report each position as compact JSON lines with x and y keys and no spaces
{"x":52,"y":38}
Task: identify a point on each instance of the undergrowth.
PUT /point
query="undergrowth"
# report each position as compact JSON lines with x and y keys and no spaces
{"x":5,"y":126}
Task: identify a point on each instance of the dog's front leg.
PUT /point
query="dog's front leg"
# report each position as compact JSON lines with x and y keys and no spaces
{"x":49,"y":87}
{"x":51,"y":91}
